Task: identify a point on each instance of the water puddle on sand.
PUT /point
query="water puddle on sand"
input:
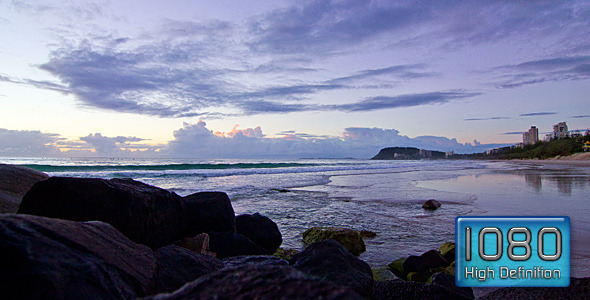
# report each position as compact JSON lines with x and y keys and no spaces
{"x":533,"y":190}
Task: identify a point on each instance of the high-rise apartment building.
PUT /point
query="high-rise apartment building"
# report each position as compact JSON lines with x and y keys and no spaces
{"x":531,"y":136}
{"x":560,"y":131}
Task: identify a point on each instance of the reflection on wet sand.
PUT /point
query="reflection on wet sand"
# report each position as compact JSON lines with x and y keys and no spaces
{"x":534,"y":181}
{"x":564,"y":184}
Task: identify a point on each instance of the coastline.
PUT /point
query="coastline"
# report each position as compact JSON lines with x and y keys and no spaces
{"x":578,"y":159}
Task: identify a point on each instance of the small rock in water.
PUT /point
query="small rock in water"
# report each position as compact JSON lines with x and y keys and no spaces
{"x":431,"y":204}
{"x":367,"y":234}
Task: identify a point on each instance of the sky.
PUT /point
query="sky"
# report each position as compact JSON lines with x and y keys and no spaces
{"x":287,"y":79}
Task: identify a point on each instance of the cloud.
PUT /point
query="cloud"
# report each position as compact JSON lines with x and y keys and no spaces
{"x":545,"y":70}
{"x":28,"y":143}
{"x":486,"y":119}
{"x":112,"y":145}
{"x":398,"y":71}
{"x":581,"y":116}
{"x":538,"y":114}
{"x":197,"y":141}
{"x":387,"y":102}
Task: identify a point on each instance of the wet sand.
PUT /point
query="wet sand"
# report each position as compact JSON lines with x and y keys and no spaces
{"x":533,"y":188}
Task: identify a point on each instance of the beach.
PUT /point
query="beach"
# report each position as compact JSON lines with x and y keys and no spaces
{"x":385,"y":197}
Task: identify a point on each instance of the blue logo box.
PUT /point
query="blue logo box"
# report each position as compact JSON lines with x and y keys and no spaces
{"x":512,"y":251}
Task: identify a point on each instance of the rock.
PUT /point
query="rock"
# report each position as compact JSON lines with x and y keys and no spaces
{"x":367,"y":234}
{"x":281,"y":190}
{"x":209,"y":212}
{"x":399,"y":289}
{"x":331,"y":261}
{"x":431,"y":204}
{"x":15,"y":182}
{"x":397,"y":268}
{"x":349,"y":238}
{"x":285,"y":254}
{"x":579,"y":289}
{"x":177,"y":266}
{"x":416,"y":276}
{"x":415,"y":264}
{"x":448,"y":282}
{"x":268,"y":260}
{"x":433,"y":259}
{"x":383,"y":274}
{"x":44,"y":258}
{"x":145,"y":214}
{"x":260,"y":282}
{"x":261,"y":230}
{"x":226,"y":244}
{"x":450,"y":269}
{"x":197,"y":244}
{"x":447,"y":250}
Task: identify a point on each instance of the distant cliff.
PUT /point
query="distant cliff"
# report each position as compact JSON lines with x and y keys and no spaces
{"x":408,"y":153}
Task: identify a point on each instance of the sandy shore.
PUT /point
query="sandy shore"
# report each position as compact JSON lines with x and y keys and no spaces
{"x":578,"y":160}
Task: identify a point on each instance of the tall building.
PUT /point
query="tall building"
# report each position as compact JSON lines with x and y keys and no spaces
{"x":560,"y":131}
{"x":530,"y":137}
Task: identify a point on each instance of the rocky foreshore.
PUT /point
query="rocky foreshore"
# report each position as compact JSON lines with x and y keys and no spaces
{"x":88,"y":238}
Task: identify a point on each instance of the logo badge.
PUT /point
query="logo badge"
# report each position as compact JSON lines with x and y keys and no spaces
{"x":512,"y":251}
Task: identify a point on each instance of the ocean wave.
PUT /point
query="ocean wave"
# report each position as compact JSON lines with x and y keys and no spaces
{"x":162,"y":167}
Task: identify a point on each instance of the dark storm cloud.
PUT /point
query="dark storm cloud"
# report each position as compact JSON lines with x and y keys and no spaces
{"x":538,"y":114}
{"x":387,"y":102}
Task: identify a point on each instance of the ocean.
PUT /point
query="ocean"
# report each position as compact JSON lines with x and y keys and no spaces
{"x":381,"y":196}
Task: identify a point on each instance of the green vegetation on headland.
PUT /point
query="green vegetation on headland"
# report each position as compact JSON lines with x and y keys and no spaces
{"x":540,"y":150}
{"x":405,"y":153}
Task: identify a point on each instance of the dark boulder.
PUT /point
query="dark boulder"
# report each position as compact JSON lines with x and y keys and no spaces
{"x":197,"y":244}
{"x":261,"y":230}
{"x":431,"y":204}
{"x":415,"y":264}
{"x":433,"y":259}
{"x":331,"y":261}
{"x":260,"y":282}
{"x":268,"y":260}
{"x":209,"y":212}
{"x":145,"y":214}
{"x":410,"y":290}
{"x":579,"y":289}
{"x":448,"y":282}
{"x":15,"y":182}
{"x":227,"y":244}
{"x":350,"y":239}
{"x":177,"y":266}
{"x":44,"y":258}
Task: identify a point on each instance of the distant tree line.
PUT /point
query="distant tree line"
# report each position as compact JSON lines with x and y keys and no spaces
{"x":541,"y":150}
